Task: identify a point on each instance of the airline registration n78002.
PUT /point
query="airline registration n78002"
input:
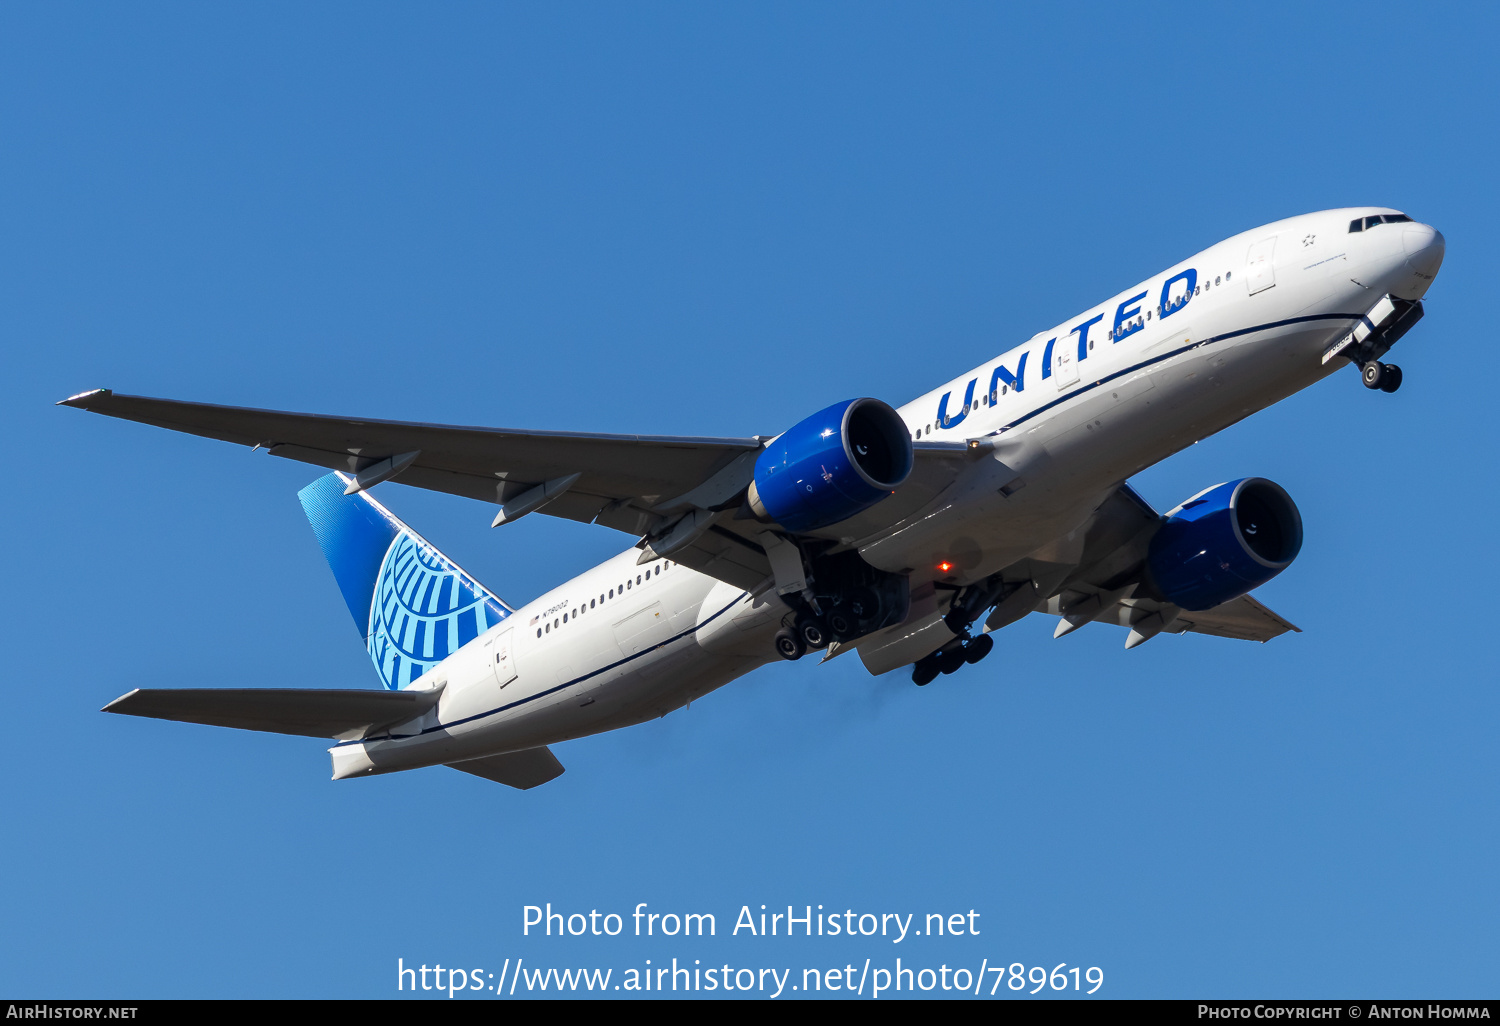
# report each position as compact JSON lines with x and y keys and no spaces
{"x":908,"y":535}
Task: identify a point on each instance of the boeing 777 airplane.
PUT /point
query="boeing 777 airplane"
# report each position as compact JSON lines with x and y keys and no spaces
{"x":906,"y":535}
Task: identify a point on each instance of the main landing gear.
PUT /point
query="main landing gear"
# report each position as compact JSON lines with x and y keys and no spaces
{"x":967,"y":607}
{"x":845,"y":600}
{"x":808,"y":634}
{"x":1384,"y":376}
{"x":950,"y":657}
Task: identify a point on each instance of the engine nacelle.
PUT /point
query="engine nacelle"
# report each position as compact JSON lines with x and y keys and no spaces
{"x":1223,"y":542}
{"x":836,"y":463}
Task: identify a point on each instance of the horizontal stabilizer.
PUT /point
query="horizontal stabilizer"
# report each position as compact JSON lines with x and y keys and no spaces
{"x":523,"y":770}
{"x":344,"y":715}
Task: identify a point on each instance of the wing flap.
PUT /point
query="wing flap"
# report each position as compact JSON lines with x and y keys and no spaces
{"x":722,"y":552}
{"x":309,"y":713}
{"x":523,"y":770}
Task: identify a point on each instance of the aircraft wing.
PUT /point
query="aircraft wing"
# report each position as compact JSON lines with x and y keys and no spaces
{"x":489,"y":464}
{"x":640,"y":484}
{"x":1105,"y":587}
{"x":1243,"y":619}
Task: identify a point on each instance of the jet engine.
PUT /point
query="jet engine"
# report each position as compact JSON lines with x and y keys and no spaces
{"x":1223,"y":542}
{"x":836,"y":463}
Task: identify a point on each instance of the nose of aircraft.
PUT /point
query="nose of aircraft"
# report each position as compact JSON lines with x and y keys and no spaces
{"x":1423,"y":245}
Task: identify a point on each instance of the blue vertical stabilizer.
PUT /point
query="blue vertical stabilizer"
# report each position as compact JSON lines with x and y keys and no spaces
{"x":413,"y":605}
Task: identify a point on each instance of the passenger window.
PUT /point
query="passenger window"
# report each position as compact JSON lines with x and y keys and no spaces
{"x":565,"y":618}
{"x":549,"y":628}
{"x":627,"y":584}
{"x":611,"y":593}
{"x":591,"y":603}
{"x":1228,"y":275}
{"x":637,"y":578}
{"x":539,"y":632}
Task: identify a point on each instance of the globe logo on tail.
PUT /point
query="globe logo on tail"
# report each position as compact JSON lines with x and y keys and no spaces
{"x":425,"y":609}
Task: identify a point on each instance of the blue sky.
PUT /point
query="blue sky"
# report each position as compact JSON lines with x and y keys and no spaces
{"x":716,"y":219}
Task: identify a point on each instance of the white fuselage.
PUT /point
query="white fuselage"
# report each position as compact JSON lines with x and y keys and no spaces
{"x":1072,"y":413}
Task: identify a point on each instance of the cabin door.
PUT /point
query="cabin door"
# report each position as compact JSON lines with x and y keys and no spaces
{"x":1260,"y":274}
{"x":500,"y":653}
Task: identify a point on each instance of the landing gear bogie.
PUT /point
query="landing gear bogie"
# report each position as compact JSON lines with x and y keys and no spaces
{"x":951,"y":658}
{"x":847,"y":599}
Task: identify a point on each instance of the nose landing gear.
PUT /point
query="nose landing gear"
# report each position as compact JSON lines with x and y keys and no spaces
{"x":1384,"y":376}
{"x":1373,"y":337}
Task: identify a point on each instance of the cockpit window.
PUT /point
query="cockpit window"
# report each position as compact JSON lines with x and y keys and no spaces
{"x":1366,"y":223}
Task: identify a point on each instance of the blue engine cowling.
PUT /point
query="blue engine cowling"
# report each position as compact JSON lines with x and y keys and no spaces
{"x":836,"y":463}
{"x":1223,"y":542}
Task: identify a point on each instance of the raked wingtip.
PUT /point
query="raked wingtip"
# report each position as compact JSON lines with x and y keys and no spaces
{"x":78,"y":400}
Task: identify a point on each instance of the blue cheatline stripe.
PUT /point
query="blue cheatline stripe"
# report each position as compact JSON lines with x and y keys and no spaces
{"x":1168,"y":355}
{"x":553,"y":690}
